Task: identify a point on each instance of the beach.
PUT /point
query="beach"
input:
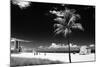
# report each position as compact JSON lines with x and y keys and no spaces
{"x":63,"y":57}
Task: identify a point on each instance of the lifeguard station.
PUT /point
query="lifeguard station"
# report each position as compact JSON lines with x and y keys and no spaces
{"x":15,"y":45}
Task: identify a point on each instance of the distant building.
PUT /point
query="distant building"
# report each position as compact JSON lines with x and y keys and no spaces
{"x":84,"y":50}
{"x":15,"y":45}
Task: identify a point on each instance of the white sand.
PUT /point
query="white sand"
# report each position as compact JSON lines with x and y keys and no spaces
{"x":58,"y":56}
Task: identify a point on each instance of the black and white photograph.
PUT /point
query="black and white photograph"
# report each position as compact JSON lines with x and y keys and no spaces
{"x":51,"y":33}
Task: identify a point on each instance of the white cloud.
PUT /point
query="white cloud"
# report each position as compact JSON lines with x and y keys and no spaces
{"x":92,"y":45}
{"x":54,"y":45}
{"x":40,"y":47}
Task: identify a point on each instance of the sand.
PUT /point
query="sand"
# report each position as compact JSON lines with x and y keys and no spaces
{"x":58,"y":56}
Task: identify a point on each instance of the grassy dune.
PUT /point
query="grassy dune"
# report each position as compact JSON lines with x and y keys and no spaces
{"x":16,"y":61}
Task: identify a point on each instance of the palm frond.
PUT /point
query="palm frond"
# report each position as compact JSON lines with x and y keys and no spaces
{"x":59,"y":19}
{"x":72,"y":11}
{"x":60,"y":14}
{"x":77,"y":16}
{"x":73,"y":18}
{"x":69,"y":12}
{"x":78,"y":26}
{"x":57,"y":13}
{"x":66,"y":31}
{"x":58,"y":31}
{"x":58,"y":25}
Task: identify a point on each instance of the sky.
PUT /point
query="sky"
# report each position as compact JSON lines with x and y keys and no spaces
{"x":35,"y":24}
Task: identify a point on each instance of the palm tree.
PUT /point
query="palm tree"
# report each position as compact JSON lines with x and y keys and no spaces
{"x":66,"y":20}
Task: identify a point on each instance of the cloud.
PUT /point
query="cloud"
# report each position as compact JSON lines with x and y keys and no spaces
{"x":40,"y":47}
{"x":91,"y":45}
{"x":55,"y":46}
{"x":21,"y":3}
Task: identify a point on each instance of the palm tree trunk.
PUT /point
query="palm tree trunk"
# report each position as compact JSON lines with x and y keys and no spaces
{"x":69,"y":48}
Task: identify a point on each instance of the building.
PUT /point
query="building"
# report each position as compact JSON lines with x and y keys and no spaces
{"x":15,"y":45}
{"x":84,"y":50}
